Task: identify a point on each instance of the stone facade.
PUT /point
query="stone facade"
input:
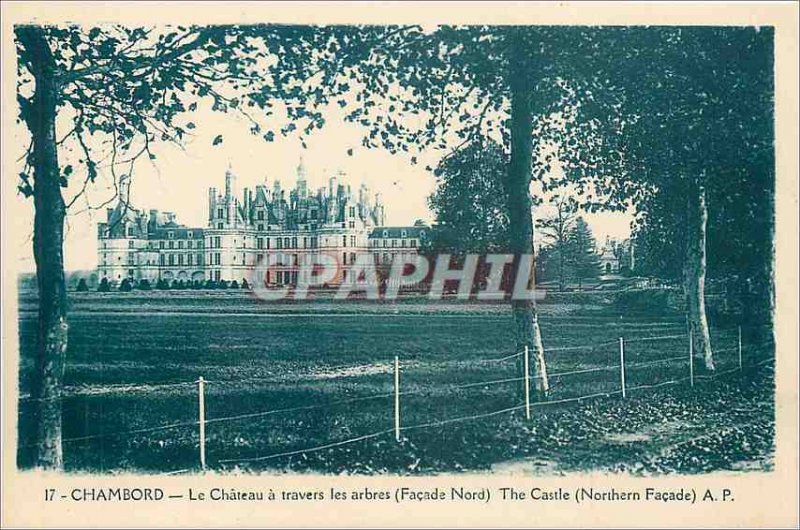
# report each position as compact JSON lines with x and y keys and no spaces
{"x":266,"y":228}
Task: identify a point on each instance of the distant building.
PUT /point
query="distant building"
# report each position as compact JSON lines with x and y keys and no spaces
{"x":247,"y":230}
{"x":616,"y":257}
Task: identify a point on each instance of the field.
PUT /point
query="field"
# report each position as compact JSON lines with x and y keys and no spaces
{"x":286,"y":380}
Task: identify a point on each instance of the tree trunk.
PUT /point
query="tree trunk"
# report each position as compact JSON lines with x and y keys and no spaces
{"x":48,"y":238}
{"x":517,"y":187}
{"x":695,"y":276}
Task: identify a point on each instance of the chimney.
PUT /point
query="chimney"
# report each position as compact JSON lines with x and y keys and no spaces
{"x":212,"y":203}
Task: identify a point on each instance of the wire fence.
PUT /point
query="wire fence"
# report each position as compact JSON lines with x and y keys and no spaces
{"x":616,"y":366}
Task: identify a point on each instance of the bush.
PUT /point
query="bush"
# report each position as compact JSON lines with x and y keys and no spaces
{"x":104,"y":286}
{"x":126,"y":286}
{"x":234,"y":284}
{"x":162,"y":284}
{"x":223,"y":284}
{"x":211,"y":284}
{"x":82,"y":286}
{"x":245,"y":285}
{"x":144,"y":285}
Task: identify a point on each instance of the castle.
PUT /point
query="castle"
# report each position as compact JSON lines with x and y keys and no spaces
{"x":248,"y":229}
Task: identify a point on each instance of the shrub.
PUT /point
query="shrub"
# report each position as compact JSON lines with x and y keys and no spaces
{"x":162,"y":284}
{"x":126,"y":286}
{"x":104,"y":286}
{"x":245,"y":285}
{"x":82,"y":286}
{"x":223,"y":284}
{"x":210,"y":284}
{"x":234,"y":284}
{"x":144,"y":285}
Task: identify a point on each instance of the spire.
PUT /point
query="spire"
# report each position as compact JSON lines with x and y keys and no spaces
{"x":301,"y":170}
{"x":302,"y":189}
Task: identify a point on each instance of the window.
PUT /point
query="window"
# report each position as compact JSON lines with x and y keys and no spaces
{"x":161,"y":245}
{"x":180,"y":244}
{"x":294,"y":242}
{"x":170,"y":234}
{"x":172,"y":259}
{"x":180,"y":259}
{"x":199,"y":259}
{"x":385,"y":233}
{"x":403,"y":243}
{"x":217,"y":276}
{"x":130,"y":244}
{"x":189,"y":259}
{"x":278,"y":243}
{"x":344,"y":241}
{"x":385,"y":257}
{"x":403,"y":233}
{"x":220,"y":226}
{"x":267,"y":243}
{"x":413,"y":243}
{"x":305,"y":242}
{"x":344,"y":258}
{"x":189,"y":234}
{"x":171,"y":244}
{"x":260,"y":227}
{"x":220,"y":212}
{"x":161,"y":258}
{"x":352,"y":258}
{"x":260,"y":258}
{"x":260,"y":216}
{"x":394,"y":243}
{"x":217,"y":242}
{"x":352,"y":224}
{"x":286,"y":242}
{"x":260,"y":242}
{"x":130,"y":231}
{"x":352,"y":211}
{"x":352,"y":241}
{"x":384,"y":243}
{"x":216,"y":259}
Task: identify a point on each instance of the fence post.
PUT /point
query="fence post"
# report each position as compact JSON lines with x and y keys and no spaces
{"x":691,"y":358}
{"x":740,"y":348}
{"x":527,"y":364}
{"x":202,"y":420}
{"x":396,"y":398}
{"x":622,"y":366}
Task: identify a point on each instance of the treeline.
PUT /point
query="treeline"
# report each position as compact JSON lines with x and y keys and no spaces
{"x":128,"y":285}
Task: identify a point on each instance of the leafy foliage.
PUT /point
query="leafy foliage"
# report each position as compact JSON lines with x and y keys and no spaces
{"x":469,"y":201}
{"x":584,"y":261}
{"x":709,"y":99}
{"x":126,"y":88}
{"x":449,"y":88}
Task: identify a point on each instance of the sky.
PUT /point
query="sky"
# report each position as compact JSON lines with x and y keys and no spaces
{"x":179,"y":178}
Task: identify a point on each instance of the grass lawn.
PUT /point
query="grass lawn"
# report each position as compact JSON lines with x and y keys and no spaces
{"x":133,"y":358}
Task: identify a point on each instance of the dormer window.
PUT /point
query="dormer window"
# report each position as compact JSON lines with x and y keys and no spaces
{"x":403,"y":233}
{"x":189,"y":234}
{"x":385,"y":233}
{"x":170,"y":234}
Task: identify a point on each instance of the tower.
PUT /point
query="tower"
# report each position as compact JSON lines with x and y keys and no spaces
{"x":302,"y":186}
